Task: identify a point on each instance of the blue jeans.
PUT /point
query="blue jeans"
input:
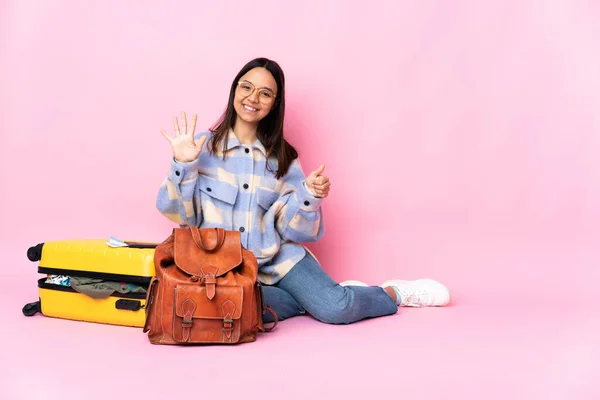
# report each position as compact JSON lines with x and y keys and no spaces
{"x":307,"y":288}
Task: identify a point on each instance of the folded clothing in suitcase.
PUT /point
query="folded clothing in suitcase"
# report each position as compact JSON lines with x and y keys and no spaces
{"x":88,"y":280}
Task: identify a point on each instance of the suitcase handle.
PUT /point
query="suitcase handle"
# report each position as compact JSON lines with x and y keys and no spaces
{"x":124,"y":304}
{"x":141,"y":245}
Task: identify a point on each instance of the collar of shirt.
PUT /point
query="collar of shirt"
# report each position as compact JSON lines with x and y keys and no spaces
{"x":233,"y":142}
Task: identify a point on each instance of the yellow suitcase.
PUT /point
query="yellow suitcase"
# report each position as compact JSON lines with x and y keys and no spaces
{"x":77,"y":260}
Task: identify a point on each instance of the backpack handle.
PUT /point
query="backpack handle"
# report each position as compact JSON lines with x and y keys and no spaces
{"x":200,"y":243}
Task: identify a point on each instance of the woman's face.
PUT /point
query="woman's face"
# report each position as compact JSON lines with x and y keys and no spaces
{"x":255,"y":95}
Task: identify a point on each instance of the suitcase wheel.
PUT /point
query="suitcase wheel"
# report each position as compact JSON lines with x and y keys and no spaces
{"x":34,"y":253}
{"x":31,"y":309}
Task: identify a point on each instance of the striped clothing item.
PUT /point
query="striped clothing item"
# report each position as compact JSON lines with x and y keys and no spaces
{"x":274,"y":216}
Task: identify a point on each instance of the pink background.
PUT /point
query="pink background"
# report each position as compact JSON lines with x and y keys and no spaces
{"x":461,"y":139}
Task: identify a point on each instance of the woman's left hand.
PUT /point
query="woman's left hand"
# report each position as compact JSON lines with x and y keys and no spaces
{"x":318,"y":183}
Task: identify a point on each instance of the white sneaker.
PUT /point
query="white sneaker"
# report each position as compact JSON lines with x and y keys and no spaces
{"x":420,"y":293}
{"x":353,"y":283}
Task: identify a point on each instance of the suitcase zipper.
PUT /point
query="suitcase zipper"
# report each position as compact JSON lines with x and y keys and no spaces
{"x":50,"y":286}
{"x":145,"y":280}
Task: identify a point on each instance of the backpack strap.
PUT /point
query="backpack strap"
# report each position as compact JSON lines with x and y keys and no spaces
{"x":275,"y":317}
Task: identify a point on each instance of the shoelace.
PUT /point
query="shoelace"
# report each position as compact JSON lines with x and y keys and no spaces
{"x":411,"y":301}
{"x":414,"y":299}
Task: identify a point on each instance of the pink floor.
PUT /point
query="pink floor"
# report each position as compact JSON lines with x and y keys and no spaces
{"x":513,"y":335}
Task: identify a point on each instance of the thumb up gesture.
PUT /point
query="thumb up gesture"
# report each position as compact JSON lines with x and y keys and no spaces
{"x":318,"y":183}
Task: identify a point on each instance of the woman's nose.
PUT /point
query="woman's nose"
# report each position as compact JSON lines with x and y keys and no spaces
{"x":253,"y":97}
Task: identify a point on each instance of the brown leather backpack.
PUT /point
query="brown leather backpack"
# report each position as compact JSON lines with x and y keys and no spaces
{"x":205,"y":290}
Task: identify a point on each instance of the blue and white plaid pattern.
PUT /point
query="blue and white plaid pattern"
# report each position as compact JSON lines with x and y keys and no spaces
{"x":273,"y":215}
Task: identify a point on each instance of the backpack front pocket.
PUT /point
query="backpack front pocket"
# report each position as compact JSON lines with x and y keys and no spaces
{"x":199,"y":317}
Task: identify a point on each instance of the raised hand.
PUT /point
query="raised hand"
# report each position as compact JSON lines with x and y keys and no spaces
{"x":185,"y":148}
{"x":318,"y":183}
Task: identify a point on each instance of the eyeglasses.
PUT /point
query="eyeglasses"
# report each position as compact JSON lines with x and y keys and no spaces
{"x":265,"y":95}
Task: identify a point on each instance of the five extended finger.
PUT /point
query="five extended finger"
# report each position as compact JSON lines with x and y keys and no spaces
{"x":183,"y":123}
{"x":166,"y":135}
{"x":192,"y":128}
{"x":176,"y":126}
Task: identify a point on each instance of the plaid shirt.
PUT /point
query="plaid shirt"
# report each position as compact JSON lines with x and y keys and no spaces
{"x":273,"y":215}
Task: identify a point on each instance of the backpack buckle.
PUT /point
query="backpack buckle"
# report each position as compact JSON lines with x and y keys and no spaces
{"x":228,"y":328}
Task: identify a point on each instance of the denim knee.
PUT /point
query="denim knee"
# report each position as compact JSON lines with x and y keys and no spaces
{"x":338,"y":311}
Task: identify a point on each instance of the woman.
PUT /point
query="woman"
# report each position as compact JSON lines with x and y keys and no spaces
{"x":244,"y":175}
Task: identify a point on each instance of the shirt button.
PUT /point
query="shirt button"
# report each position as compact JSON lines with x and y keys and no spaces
{"x":177,"y":173}
{"x":246,"y":186}
{"x":208,"y":189}
{"x":247,"y":150}
{"x":242,"y":229}
{"x":307,"y":203}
